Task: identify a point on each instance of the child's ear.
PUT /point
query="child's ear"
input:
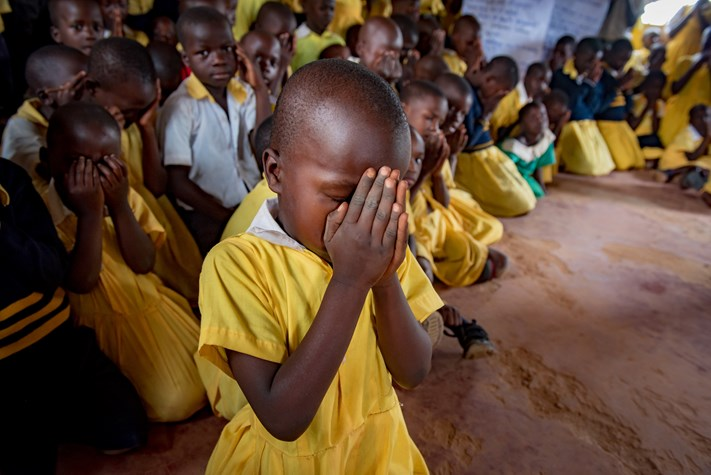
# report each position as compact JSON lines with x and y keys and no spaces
{"x":272,"y":169}
{"x":54,"y":33}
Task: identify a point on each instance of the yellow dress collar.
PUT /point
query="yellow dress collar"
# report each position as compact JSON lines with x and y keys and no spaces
{"x":4,"y":196}
{"x":198,"y":91}
{"x":570,"y":71}
{"x":29,"y":110}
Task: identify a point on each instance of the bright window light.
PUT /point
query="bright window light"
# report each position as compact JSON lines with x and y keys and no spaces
{"x":660,"y":12}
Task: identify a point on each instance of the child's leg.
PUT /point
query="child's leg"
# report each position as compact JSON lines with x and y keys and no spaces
{"x":472,"y":337}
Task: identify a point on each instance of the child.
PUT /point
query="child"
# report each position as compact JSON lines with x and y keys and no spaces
{"x":646,"y":115}
{"x":55,"y":76}
{"x":164,"y":31}
{"x":562,"y":52}
{"x":115,"y":13}
{"x":148,"y":330}
{"x":690,"y":85}
{"x":76,"y":23}
{"x":312,"y":36}
{"x":558,"y":112}
{"x":264,"y":51}
{"x":427,"y":242}
{"x":204,"y":126}
{"x":466,"y":41}
{"x":583,"y":150}
{"x":379,"y":47}
{"x":408,"y":54}
{"x":168,"y":65}
{"x":318,"y":381}
{"x":122,"y":79}
{"x":83,"y":396}
{"x":430,"y":68}
{"x":689,"y":155}
{"x":533,"y":148}
{"x":533,"y":87}
{"x":278,"y":20}
{"x":482,"y":169}
{"x":612,"y":117}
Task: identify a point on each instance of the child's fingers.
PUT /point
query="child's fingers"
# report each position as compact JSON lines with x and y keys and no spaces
{"x":401,"y":195}
{"x":355,"y":206}
{"x":383,"y":215}
{"x":401,"y":240}
{"x":79,"y":171}
{"x":372,"y":200}
{"x":333,"y":221}
{"x":391,"y":232}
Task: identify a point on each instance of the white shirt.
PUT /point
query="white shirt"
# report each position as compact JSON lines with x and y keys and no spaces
{"x":194,"y":131}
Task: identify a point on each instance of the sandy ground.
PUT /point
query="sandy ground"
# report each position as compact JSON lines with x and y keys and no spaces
{"x":603,"y":328}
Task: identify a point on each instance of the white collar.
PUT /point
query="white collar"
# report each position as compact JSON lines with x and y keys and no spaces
{"x":695,"y":135}
{"x":265,"y":226}
{"x":529,"y":153}
{"x":303,"y":31}
{"x":523,"y":98}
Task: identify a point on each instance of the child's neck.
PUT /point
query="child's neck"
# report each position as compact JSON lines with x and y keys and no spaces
{"x":314,"y":28}
{"x":219,"y":94}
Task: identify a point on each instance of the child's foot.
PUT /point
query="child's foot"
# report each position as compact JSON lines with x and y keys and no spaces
{"x":434,"y":325}
{"x":496,"y":265}
{"x":473,"y":339}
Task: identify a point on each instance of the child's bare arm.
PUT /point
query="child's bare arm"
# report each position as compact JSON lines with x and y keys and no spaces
{"x":701,"y":150}
{"x":188,"y":192}
{"x":155,"y":177}
{"x":85,"y":197}
{"x":678,"y":85}
{"x":360,"y":240}
{"x":635,"y":120}
{"x":136,"y":247}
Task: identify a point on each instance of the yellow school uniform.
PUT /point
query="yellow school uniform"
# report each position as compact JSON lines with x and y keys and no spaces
{"x":646,"y":126}
{"x":146,"y":329}
{"x":309,"y":45}
{"x":248,"y":308}
{"x":247,"y":210}
{"x":686,"y":43}
{"x":178,"y":262}
{"x":456,"y":64}
{"x":621,"y":140}
{"x":4,"y":8}
{"x":457,"y":258}
{"x":696,"y":91}
{"x":380,"y":8}
{"x":432,"y":7}
{"x":506,"y":113}
{"x":247,"y":11}
{"x":139,"y":7}
{"x":346,"y":14}
{"x":583,"y":150}
{"x":688,"y":140}
{"x":24,"y":135}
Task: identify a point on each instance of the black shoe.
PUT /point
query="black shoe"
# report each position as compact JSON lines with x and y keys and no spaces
{"x":473,"y":339}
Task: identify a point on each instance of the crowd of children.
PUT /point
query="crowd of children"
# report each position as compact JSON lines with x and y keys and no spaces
{"x":211,"y":211}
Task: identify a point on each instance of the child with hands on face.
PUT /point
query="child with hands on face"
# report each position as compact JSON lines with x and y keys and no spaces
{"x":264,"y":51}
{"x":147,"y":329}
{"x":115,"y":13}
{"x":318,"y":380}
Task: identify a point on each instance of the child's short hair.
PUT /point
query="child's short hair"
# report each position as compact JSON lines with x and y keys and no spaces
{"x":534,"y":68}
{"x":588,"y":45}
{"x":621,"y":45}
{"x":263,"y":136}
{"x":464,"y":23}
{"x":504,"y":69}
{"x":271,"y":10}
{"x":199,"y":16}
{"x":53,"y":8}
{"x":564,"y":41}
{"x":116,"y":61}
{"x":556,"y":96}
{"x":455,"y":82}
{"x":407,"y":26}
{"x":70,"y":118}
{"x":533,"y":105}
{"x":330,"y":82}
{"x":42,"y":65}
{"x":166,"y":61}
{"x":418,"y":89}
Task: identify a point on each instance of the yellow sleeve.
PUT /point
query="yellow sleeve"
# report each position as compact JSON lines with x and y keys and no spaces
{"x":145,"y":218}
{"x":418,"y":290}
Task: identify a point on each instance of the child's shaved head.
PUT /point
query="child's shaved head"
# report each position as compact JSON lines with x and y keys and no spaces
{"x":168,"y":65}
{"x":116,"y":61}
{"x":275,"y":18}
{"x":263,"y":136}
{"x":415,"y":90}
{"x":51,"y":66}
{"x":202,"y":16}
{"x":460,"y":98}
{"x":332,"y":89}
{"x":430,"y":67}
{"x":504,"y":69}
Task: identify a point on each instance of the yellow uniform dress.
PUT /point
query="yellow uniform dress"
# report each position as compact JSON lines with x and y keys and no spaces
{"x":251,"y":303}
{"x":346,"y":14}
{"x":4,"y":8}
{"x":247,"y":210}
{"x":696,"y":91}
{"x":139,"y":7}
{"x":457,"y":258}
{"x":247,"y":11}
{"x":309,"y":45}
{"x":646,"y":126}
{"x":621,"y":139}
{"x":686,"y":43}
{"x":24,"y":135}
{"x":583,"y":150}
{"x":688,"y":140}
{"x":146,"y":329}
{"x":178,"y":262}
{"x":456,"y":64}
{"x":506,"y":113}
{"x":432,"y":7}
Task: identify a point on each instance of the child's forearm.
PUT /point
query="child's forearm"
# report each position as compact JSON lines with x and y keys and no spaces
{"x":136,"y":247}
{"x":701,"y":150}
{"x":405,"y":346}
{"x":188,"y":192}
{"x":439,"y":189}
{"x":677,"y":86}
{"x":85,"y":258}
{"x":154,"y":175}
{"x":286,"y":397}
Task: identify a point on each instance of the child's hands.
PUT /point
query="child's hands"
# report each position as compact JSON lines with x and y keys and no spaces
{"x":116,"y":23}
{"x":70,"y":91}
{"x":457,"y":140}
{"x":84,"y":193}
{"x":117,"y":114}
{"x":437,"y":41}
{"x":366,"y":239}
{"x":248,"y":71}
{"x":436,"y":152}
{"x":114,"y":180}
{"x":148,"y":119}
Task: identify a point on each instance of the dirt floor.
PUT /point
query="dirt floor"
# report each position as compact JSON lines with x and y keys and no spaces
{"x":603,"y":328}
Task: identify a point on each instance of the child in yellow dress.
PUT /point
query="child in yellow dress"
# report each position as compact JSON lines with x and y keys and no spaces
{"x":689,"y":156}
{"x":466,"y":41}
{"x":312,"y":36}
{"x":122,"y":79}
{"x":291,"y":308}
{"x":646,"y":115}
{"x":147,"y":329}
{"x":562,"y":52}
{"x":76,"y":23}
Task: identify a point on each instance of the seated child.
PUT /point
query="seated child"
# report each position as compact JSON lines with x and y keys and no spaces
{"x":312,"y":35}
{"x":76,"y":23}
{"x":432,"y":36}
{"x":164,"y":31}
{"x":533,"y":87}
{"x":204,"y":126}
{"x":482,"y":168}
{"x":84,"y":398}
{"x":689,"y":156}
{"x":168,"y":65}
{"x":690,"y":85}
{"x":379,"y":47}
{"x":122,"y":79}
{"x":466,"y":41}
{"x":55,"y":76}
{"x":433,"y":232}
{"x":646,"y":115}
{"x":264,"y":51}
{"x":278,"y":20}
{"x":583,"y":150}
{"x":562,"y":52}
{"x":558,"y":112}
{"x":318,"y":380}
{"x":430,"y":68}
{"x":533,"y":148}
{"x":612,"y":114}
{"x":147,"y":329}
{"x":115,"y":13}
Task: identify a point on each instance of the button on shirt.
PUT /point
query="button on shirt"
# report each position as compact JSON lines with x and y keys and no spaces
{"x":195,"y":132}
